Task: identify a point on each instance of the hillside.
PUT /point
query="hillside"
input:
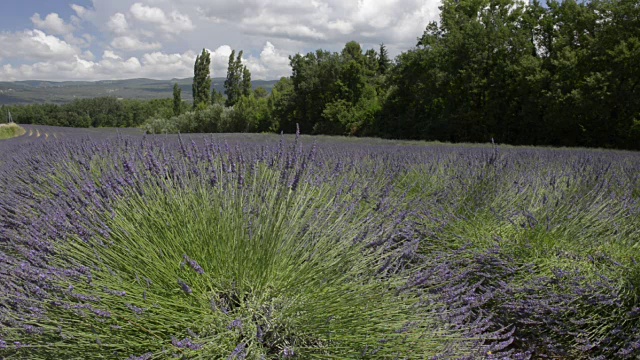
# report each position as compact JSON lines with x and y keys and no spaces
{"x":34,"y":91}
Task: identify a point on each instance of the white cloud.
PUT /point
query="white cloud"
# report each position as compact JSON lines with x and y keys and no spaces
{"x":220,"y":60}
{"x":34,"y":44}
{"x":110,"y":55}
{"x":148,"y":14}
{"x":130,"y":43}
{"x":88,"y":55}
{"x":53,"y":24}
{"x":332,"y":22}
{"x":112,"y":66}
{"x":118,"y":24}
{"x":270,"y":65}
{"x":175,"y":23}
{"x":81,"y":11}
{"x":344,"y":27}
{"x":267,"y":30}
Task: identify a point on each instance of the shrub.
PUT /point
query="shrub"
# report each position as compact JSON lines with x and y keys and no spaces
{"x":10,"y":130}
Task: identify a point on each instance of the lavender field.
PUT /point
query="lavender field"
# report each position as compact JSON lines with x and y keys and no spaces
{"x":117,"y":245}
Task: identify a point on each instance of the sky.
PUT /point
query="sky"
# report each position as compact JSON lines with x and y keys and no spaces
{"x":120,"y":39}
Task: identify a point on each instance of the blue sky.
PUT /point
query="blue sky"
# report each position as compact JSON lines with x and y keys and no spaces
{"x":16,"y":14}
{"x":115,"y":39}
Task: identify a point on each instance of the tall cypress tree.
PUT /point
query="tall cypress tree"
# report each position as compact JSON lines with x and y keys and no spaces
{"x":246,"y":81}
{"x":233,"y":85}
{"x":383,"y":60}
{"x":177,"y":99}
{"x":194,"y":87}
{"x":202,"y":79}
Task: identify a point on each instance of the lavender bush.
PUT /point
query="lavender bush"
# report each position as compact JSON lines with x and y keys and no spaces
{"x":131,"y":246}
{"x":117,"y":245}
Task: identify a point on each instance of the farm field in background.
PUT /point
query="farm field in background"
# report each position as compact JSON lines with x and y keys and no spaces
{"x":115,"y":244}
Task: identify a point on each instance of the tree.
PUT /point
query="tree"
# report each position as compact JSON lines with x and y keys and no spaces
{"x":260,"y":93}
{"x":201,"y":79}
{"x":352,"y":51}
{"x":383,"y":60}
{"x":217,"y":97}
{"x":177,"y":100}
{"x":468,"y":78}
{"x":246,"y":81}
{"x":233,"y":84}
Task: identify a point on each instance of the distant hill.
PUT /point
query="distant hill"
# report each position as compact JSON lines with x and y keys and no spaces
{"x":34,"y":91}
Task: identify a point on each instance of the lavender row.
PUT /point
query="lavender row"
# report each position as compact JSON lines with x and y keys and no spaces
{"x":488,"y":234}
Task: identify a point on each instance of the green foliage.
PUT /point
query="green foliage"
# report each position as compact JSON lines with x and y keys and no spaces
{"x":217,"y":97}
{"x":202,"y":79}
{"x":238,"y":82}
{"x":177,"y":100}
{"x":250,"y":114}
{"x":558,"y":75}
{"x":247,"y":89}
{"x":8,"y":131}
{"x":355,"y":118}
{"x":280,"y":103}
{"x":96,"y":112}
{"x":260,"y":92}
{"x":384,"y":63}
{"x":331,"y":93}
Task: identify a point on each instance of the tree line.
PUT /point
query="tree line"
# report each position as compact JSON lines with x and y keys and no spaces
{"x":563,"y":74}
{"x":94,"y":112}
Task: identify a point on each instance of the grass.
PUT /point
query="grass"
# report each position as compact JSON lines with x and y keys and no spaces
{"x":8,"y":131}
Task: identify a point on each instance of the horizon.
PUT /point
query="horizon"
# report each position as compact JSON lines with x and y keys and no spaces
{"x":99,"y":40}
{"x":123,"y":79}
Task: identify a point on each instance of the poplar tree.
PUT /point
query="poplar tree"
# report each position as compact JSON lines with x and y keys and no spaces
{"x":177,"y":99}
{"x":246,"y":81}
{"x":234,"y":85}
{"x":202,"y":79}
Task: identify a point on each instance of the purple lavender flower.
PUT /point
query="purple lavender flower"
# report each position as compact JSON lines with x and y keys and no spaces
{"x":239,"y":353}
{"x":193,"y":265}
{"x":136,"y":310}
{"x":186,"y":343}
{"x":288,"y":352}
{"x":146,"y":356}
{"x":183,"y":285}
{"x":235,"y":324}
{"x":115,"y":292}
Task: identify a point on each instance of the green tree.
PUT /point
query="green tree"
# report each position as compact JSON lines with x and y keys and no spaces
{"x":217,"y":97}
{"x":467,"y":78}
{"x":202,"y":79}
{"x":260,"y":93}
{"x":233,"y":85}
{"x":383,"y":60}
{"x":329,"y":90}
{"x":177,"y":99}
{"x":281,"y":105}
{"x":247,"y":88}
